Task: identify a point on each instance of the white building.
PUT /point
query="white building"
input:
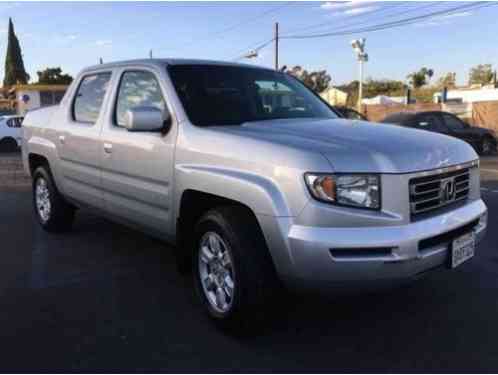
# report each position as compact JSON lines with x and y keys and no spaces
{"x":385,"y":100}
{"x":469,"y":95}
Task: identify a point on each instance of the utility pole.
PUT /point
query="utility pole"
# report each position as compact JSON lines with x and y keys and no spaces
{"x":150,"y":54}
{"x":276,"y":45}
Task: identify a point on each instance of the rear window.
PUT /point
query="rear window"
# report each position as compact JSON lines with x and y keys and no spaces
{"x":89,"y":97}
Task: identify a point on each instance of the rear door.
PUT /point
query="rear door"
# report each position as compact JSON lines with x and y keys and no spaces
{"x":137,"y":173}
{"x":431,"y":121}
{"x":79,"y":143}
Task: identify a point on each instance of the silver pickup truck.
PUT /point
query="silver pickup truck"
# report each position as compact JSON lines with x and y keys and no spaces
{"x":256,"y":181}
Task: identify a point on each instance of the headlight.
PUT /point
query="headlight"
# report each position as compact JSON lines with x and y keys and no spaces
{"x":354,"y":190}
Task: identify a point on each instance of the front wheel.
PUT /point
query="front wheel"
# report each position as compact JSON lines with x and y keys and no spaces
{"x":233,"y":272}
{"x":54,"y":214}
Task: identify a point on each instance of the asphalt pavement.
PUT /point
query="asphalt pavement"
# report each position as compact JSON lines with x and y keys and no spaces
{"x":107,"y":298}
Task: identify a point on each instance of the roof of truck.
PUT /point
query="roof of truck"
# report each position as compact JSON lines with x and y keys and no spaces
{"x":162,"y":62}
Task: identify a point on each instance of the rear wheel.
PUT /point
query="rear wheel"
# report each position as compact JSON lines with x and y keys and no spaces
{"x":233,"y":272}
{"x":53,"y":213}
{"x":8,"y":145}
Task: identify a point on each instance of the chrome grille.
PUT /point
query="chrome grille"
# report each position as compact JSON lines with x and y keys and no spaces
{"x":432,"y":192}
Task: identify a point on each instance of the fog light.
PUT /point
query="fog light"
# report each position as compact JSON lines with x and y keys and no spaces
{"x":483,"y":221}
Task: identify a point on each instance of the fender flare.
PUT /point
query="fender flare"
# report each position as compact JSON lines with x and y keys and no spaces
{"x":258,"y":193}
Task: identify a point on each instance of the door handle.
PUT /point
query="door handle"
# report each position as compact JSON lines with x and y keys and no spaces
{"x":108,"y":148}
{"x":62,"y":139}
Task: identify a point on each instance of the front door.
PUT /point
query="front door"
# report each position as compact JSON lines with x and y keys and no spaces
{"x":137,"y":167}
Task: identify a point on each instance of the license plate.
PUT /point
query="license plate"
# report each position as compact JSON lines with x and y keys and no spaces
{"x":462,"y":249}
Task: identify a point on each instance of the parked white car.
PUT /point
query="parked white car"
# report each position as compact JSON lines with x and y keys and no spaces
{"x":10,"y":132}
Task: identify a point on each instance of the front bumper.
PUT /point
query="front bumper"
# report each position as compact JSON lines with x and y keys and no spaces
{"x":366,"y":255}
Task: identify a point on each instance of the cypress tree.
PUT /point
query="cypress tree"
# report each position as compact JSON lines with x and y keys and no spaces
{"x":14,"y":65}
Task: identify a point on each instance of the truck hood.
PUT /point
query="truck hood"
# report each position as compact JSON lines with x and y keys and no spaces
{"x":359,"y":146}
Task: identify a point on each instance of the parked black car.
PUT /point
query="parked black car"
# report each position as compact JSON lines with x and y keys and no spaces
{"x":483,"y":140}
{"x":349,"y":113}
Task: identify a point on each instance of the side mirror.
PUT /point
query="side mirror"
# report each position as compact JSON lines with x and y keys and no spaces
{"x":145,"y":119}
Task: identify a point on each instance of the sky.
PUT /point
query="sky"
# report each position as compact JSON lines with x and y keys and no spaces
{"x":75,"y":35}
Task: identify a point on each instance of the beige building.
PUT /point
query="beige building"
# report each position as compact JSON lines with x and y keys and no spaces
{"x":28,"y":97}
{"x":334,"y":96}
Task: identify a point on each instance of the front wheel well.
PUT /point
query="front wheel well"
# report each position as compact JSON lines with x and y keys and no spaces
{"x":193,"y":205}
{"x":35,"y":161}
{"x":491,"y":138}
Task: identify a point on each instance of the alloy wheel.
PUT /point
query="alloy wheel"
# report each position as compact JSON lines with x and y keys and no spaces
{"x":216,"y":272}
{"x":42,"y":199}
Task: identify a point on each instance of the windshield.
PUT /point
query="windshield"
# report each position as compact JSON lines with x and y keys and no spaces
{"x":232,"y":95}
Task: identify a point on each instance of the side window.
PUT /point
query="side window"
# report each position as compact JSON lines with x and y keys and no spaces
{"x":138,"y":89}
{"x":10,"y":123}
{"x":430,"y":122}
{"x":89,"y":97}
{"x":453,"y":122}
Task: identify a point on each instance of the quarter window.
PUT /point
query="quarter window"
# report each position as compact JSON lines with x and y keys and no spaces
{"x":89,"y":98}
{"x":138,"y":89}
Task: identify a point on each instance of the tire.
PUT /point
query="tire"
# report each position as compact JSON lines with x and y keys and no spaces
{"x":487,"y":146}
{"x":53,"y":213}
{"x":251,"y":271}
{"x":8,"y":145}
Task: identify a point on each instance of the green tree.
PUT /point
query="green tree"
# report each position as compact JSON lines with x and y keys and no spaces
{"x":372,"y":88}
{"x":53,"y":76}
{"x":481,"y":74}
{"x":14,"y":65}
{"x":448,"y":80}
{"x":420,"y":78}
{"x":318,"y":81}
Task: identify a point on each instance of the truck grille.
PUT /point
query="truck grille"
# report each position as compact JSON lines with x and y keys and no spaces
{"x":432,"y":192}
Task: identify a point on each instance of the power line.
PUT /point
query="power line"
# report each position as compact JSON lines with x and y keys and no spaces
{"x":354,"y":17}
{"x":259,"y":47}
{"x":398,"y":23}
{"x":255,"y":18}
{"x":397,"y":14}
{"x":223,"y":32}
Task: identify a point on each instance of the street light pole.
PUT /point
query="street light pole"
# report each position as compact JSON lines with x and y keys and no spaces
{"x":359,"y":47}
{"x":276,"y":45}
{"x":360,"y":86}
